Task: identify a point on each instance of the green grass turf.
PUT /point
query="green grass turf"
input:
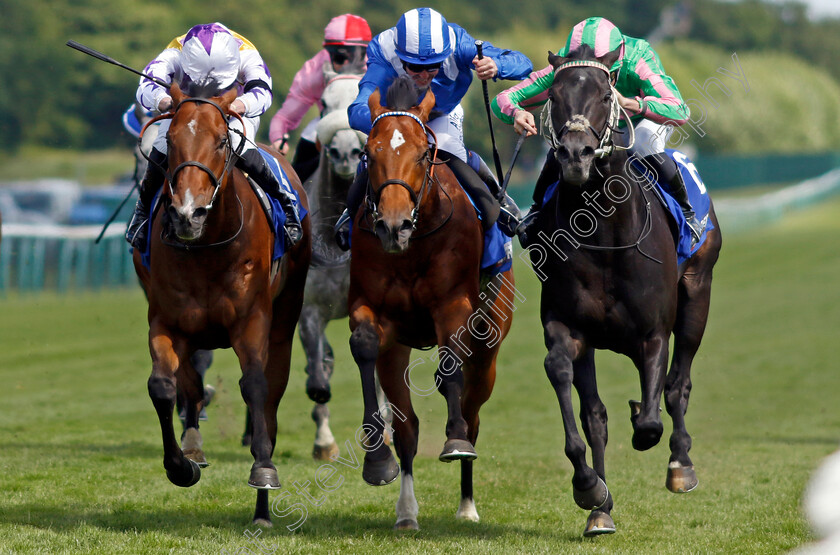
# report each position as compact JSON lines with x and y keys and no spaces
{"x":81,"y":461}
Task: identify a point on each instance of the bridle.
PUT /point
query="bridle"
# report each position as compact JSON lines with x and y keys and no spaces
{"x":230,"y":157}
{"x":230,"y":153}
{"x":373,"y":195}
{"x":579,"y":122}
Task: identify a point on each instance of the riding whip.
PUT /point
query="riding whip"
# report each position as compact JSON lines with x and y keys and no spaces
{"x":503,"y":188}
{"x":478,"y":45}
{"x":114,"y":215}
{"x":100,"y":56}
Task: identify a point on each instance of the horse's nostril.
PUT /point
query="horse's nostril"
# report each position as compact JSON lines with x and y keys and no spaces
{"x":173,"y":213}
{"x":407,"y":225}
{"x":563,"y":153}
{"x":587,"y":151}
{"x":199,"y":213}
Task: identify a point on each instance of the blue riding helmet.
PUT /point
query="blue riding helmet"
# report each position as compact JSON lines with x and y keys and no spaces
{"x":423,"y":37}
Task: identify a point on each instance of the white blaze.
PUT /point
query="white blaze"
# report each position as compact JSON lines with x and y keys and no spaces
{"x":397,"y":140}
{"x":191,"y":126}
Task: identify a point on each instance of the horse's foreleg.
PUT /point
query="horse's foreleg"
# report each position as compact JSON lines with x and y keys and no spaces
{"x":190,"y":384}
{"x":692,"y":314}
{"x":311,"y":331}
{"x":180,"y":470}
{"x":449,"y":378}
{"x":651,"y":362}
{"x":590,"y":491}
{"x":593,"y":418}
{"x":406,"y":428}
{"x":380,"y":467}
{"x":251,"y":346}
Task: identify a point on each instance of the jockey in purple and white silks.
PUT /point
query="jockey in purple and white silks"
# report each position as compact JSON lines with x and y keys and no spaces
{"x":345,"y":39}
{"x":209,"y":60}
{"x":439,"y":56}
{"x":644,"y":91}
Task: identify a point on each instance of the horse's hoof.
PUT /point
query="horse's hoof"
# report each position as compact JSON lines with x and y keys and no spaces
{"x":185,"y":480}
{"x":406,"y":524}
{"x":457,"y":450}
{"x":318,"y":390}
{"x":593,"y":498}
{"x":325,"y":453}
{"x":264,"y":478}
{"x":380,"y":473}
{"x":681,"y":479}
{"x":599,"y":523}
{"x":262,"y":523}
{"x":466,"y":510}
{"x":647,"y":435}
{"x":197,"y":456}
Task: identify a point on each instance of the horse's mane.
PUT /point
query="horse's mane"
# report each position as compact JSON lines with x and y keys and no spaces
{"x":206,"y":89}
{"x":582,"y":52}
{"x":402,"y":94}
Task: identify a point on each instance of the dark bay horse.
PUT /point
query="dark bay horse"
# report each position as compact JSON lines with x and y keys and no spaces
{"x":414,"y":283}
{"x":212,"y":284}
{"x":610,"y":280}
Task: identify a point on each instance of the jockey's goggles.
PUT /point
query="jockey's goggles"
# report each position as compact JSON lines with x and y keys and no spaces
{"x":419,"y":68}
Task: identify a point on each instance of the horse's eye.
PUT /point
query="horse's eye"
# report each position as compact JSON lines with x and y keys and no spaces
{"x":608,"y":96}
{"x":223,"y":142}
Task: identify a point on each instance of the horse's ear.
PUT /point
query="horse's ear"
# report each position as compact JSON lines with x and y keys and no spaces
{"x":176,"y":94}
{"x":227,"y":99}
{"x":427,"y":105}
{"x":555,"y":60}
{"x":610,"y":58}
{"x":374,"y":104}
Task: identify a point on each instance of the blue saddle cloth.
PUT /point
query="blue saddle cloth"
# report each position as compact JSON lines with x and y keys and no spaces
{"x":697,"y":195}
{"x":498,"y":247}
{"x":272,"y":206}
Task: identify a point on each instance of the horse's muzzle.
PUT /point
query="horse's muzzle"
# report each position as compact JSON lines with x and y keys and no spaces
{"x":575,"y":162}
{"x":394,"y":238}
{"x":187,"y":224}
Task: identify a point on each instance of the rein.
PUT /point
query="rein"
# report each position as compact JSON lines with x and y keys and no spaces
{"x":372,"y":197}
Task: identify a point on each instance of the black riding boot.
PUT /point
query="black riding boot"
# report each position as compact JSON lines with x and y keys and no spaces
{"x":355,"y":196}
{"x":152,"y":180}
{"x":490,"y":209}
{"x":252,"y":162}
{"x":306,"y":159}
{"x":549,"y":174}
{"x":669,"y":173}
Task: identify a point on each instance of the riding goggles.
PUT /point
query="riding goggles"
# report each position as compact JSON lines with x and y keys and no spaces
{"x":419,"y":68}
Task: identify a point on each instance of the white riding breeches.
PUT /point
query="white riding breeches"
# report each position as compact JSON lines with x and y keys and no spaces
{"x":651,"y":138}
{"x":449,"y":130}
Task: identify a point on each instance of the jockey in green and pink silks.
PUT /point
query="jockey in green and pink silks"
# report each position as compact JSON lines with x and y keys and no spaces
{"x":648,"y":95}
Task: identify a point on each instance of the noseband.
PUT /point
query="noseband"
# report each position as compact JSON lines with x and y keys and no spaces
{"x":579,"y":122}
{"x":373,"y":195}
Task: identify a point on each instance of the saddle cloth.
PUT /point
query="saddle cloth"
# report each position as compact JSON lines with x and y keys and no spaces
{"x":697,"y":195}
{"x":271,"y":206}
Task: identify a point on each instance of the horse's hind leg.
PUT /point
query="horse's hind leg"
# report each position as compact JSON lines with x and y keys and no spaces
{"x":180,"y":470}
{"x":590,"y":491}
{"x":190,"y":386}
{"x":692,"y":314}
{"x":593,"y":418}
{"x":406,"y":425}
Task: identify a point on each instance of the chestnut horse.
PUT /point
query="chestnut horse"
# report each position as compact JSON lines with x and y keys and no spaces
{"x":613,"y":282}
{"x":212,"y":284}
{"x":414,"y":283}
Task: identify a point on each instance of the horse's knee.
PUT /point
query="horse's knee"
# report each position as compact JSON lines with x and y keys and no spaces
{"x":558,"y":368}
{"x":364,"y":343}
{"x":162,"y":388}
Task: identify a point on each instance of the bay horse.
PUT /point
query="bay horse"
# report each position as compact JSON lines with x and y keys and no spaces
{"x":613,"y":282}
{"x":414,"y":283}
{"x":212,"y":284}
